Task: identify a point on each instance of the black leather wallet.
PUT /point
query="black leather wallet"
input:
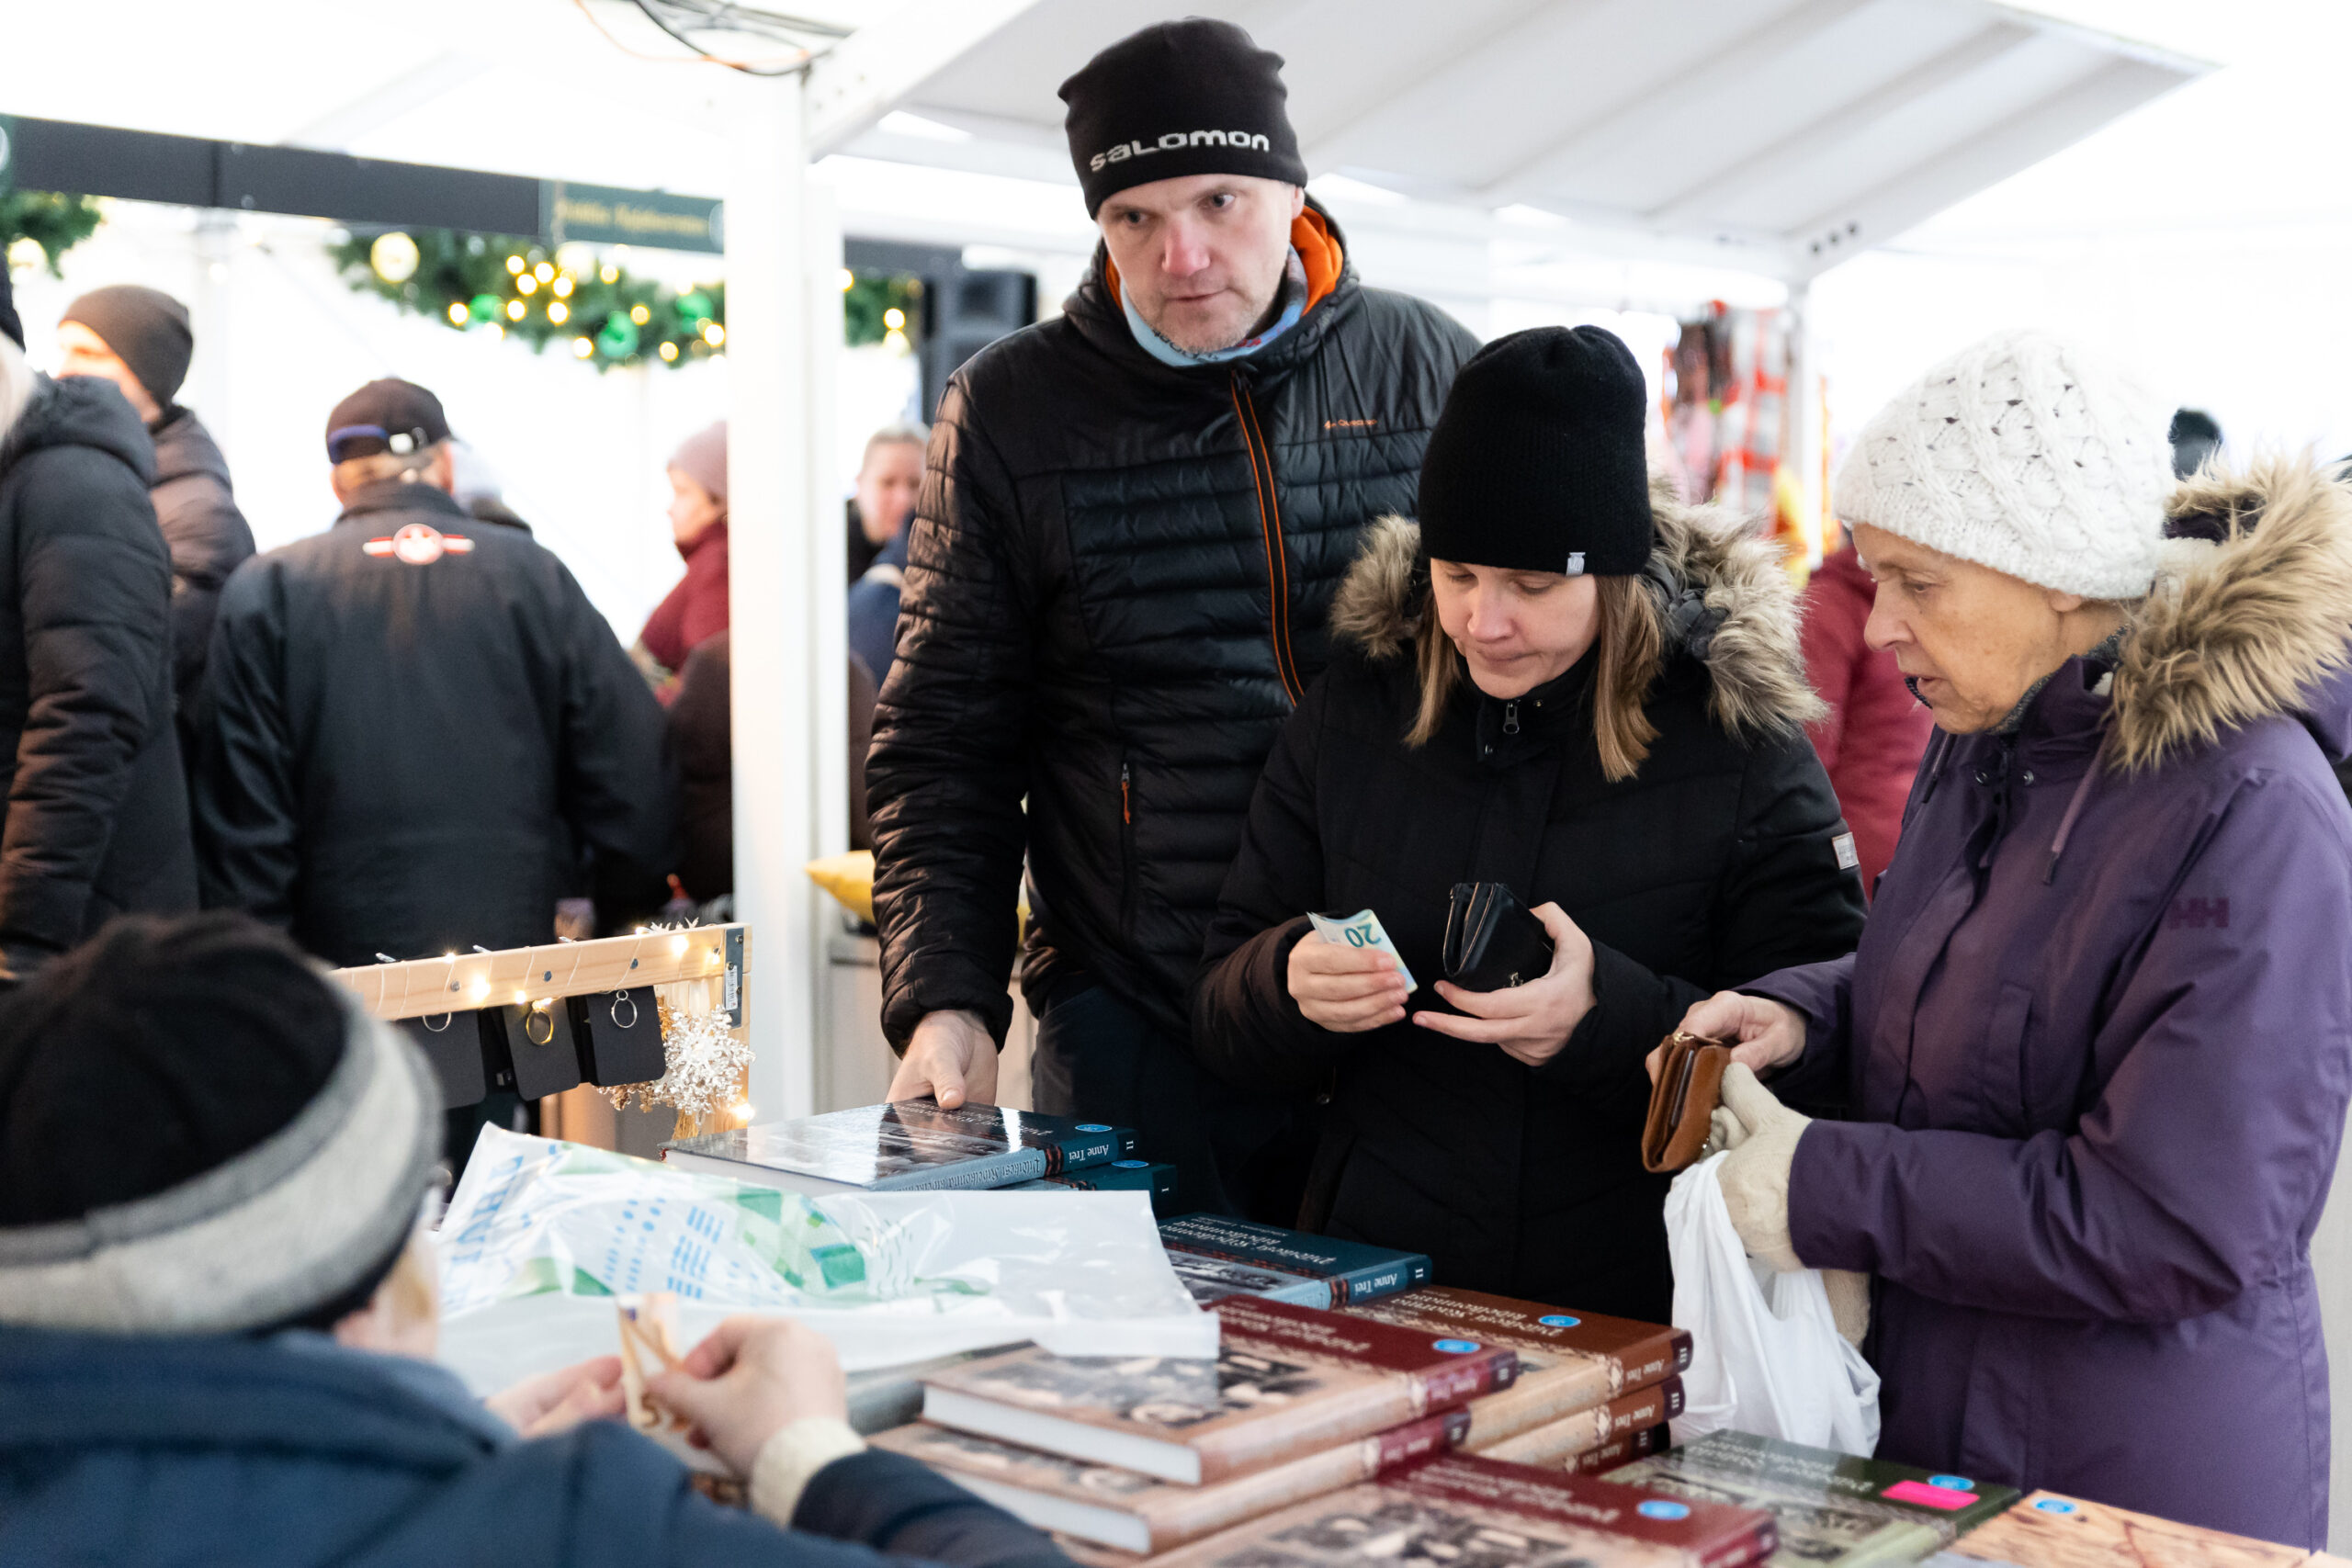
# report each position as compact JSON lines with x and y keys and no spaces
{"x":1490,"y":942}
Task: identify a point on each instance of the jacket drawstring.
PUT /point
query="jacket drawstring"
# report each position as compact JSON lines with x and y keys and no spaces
{"x":1943,"y":743}
{"x":2066,"y":823}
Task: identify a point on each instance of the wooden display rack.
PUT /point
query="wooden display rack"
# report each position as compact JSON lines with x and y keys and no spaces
{"x":720,"y":956}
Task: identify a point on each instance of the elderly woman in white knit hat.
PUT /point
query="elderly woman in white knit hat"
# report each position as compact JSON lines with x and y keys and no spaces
{"x":216,"y":1324}
{"x":2097,"y":1040}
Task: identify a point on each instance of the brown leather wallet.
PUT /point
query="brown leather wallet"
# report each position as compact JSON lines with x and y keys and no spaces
{"x":1689,"y":1081}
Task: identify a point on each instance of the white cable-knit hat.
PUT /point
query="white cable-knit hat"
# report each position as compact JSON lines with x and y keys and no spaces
{"x":2025,"y":453}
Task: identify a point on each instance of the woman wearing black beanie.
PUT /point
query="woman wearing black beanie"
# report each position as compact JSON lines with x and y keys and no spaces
{"x":1561,"y":680}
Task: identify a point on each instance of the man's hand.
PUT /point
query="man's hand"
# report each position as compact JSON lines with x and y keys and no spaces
{"x":753,"y":1377}
{"x":1530,"y":1022}
{"x":952,"y":1059}
{"x":558,"y":1400}
{"x":1344,"y":989}
{"x":1768,"y":1033}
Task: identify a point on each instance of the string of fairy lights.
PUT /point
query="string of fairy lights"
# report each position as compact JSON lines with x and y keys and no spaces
{"x":574,"y":299}
{"x":509,"y":286}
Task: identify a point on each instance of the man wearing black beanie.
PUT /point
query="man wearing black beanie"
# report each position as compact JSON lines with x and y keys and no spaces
{"x":1118,"y":577}
{"x":139,"y":339}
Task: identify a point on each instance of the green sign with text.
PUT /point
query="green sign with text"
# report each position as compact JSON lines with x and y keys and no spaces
{"x":604,"y":215}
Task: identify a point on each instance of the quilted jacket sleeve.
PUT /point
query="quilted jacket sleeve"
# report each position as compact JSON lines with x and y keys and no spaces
{"x":1246,"y":1026}
{"x":949,"y":766}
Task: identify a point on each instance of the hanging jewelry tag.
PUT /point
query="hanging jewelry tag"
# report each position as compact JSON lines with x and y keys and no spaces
{"x":731,"y":1001}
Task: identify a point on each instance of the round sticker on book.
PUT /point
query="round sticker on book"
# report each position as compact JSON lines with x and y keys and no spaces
{"x":1559,"y":1320}
{"x":2055,"y":1505}
{"x":1659,"y":1508}
{"x":1455,"y":1347}
{"x":1129,"y":1164}
{"x":1953,"y":1482}
{"x":1094,"y":1126}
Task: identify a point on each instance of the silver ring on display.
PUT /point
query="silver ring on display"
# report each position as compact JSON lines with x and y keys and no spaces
{"x":441,"y":1027}
{"x":618,"y":997}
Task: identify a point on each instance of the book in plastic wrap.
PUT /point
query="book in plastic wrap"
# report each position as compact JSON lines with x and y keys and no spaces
{"x":1286,"y":1380}
{"x":1128,"y":1512}
{"x":1832,"y":1508}
{"x":1558,"y":1444}
{"x":2047,"y":1530}
{"x":1355,"y":1271}
{"x":1468,"y":1511}
{"x":1157,"y":1178}
{"x":909,"y":1145}
{"x":1568,"y":1360}
{"x":1214,"y":1278}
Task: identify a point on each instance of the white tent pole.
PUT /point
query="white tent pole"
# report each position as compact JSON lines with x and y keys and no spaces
{"x":772,"y":591}
{"x":1806,"y":422}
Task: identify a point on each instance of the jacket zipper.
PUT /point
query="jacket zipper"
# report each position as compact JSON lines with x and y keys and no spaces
{"x":1510,"y":719}
{"x":1126,"y":850}
{"x":1270,"y":522}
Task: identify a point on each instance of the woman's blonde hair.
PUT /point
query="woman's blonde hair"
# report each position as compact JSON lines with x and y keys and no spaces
{"x":1631,"y":646}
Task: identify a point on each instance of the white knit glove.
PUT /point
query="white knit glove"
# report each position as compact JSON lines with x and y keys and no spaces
{"x":788,"y":1460}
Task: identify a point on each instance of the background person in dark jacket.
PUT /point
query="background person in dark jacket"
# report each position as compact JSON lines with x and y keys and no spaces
{"x":417,"y":720}
{"x":282,"y":1411}
{"x":96,"y":815}
{"x":890,"y":478}
{"x":1620,"y":744}
{"x":139,"y":339}
{"x":1134,"y":520}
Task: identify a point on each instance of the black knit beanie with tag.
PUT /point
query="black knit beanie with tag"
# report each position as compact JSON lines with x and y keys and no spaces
{"x":1188,"y":97}
{"x":148,"y":331}
{"x":1538,"y":462}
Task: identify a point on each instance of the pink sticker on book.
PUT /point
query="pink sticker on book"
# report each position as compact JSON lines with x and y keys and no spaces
{"x":1929,"y":1497}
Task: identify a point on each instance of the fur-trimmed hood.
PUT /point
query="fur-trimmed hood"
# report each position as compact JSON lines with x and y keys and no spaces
{"x":2250,"y":618}
{"x":1746,"y":635}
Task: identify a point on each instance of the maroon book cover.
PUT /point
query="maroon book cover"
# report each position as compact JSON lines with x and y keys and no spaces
{"x":1287,"y":1381}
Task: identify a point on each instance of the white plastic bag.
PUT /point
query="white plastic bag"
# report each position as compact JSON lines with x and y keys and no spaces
{"x":1766,"y":1356}
{"x":540,"y":1235}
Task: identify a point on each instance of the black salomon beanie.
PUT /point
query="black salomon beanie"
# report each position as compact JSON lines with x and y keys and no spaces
{"x":1189,"y":97}
{"x":1538,"y":462}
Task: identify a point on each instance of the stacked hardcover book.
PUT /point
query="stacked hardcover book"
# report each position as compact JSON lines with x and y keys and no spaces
{"x":1592,"y":1391}
{"x":2046,"y":1530}
{"x":1216,"y":1256}
{"x":1835,"y":1511}
{"x":1314,"y":1434}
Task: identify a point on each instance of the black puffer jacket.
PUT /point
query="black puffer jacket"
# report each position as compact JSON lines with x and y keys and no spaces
{"x":207,"y":538}
{"x":1115,"y":592}
{"x":405,"y":755}
{"x":1719,"y":861}
{"x":96,"y":821}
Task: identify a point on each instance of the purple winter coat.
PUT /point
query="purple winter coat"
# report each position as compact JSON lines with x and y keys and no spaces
{"x":2098,"y":1042}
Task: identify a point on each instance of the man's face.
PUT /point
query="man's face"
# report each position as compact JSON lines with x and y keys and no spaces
{"x":83,"y":353}
{"x":1202,"y":256}
{"x":887,"y":486}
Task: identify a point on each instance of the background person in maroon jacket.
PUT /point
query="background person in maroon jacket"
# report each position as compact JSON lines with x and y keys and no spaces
{"x":1875,"y":730}
{"x":696,"y":610}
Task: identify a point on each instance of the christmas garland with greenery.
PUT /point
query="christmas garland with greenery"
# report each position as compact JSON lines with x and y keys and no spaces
{"x":55,"y":222}
{"x":511,"y":286}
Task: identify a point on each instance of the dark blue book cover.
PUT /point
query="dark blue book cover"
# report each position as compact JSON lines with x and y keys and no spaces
{"x":1118,"y":1176}
{"x":1356,"y":1271}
